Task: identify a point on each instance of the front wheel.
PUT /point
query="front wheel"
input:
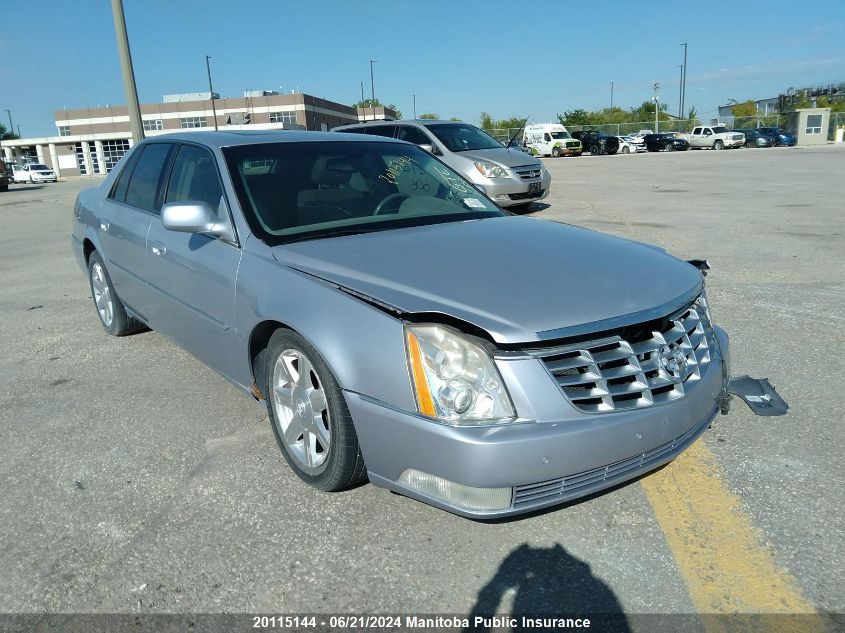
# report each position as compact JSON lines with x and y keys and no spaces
{"x":594,"y":150}
{"x":309,"y":416}
{"x":625,"y":150}
{"x":718,"y":145}
{"x":556,"y":152}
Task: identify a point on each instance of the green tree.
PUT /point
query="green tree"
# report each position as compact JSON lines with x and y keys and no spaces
{"x":489,"y":123}
{"x":376,"y":103}
{"x":5,"y":135}
{"x":746,"y":108}
{"x":454,"y":119}
{"x":578,"y":116}
{"x":429,"y":115}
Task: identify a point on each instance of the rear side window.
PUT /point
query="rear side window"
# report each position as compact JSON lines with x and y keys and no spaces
{"x":381,"y":130}
{"x":194,"y":178}
{"x":146,"y":177}
{"x":353,"y":130}
{"x":413,"y":135}
{"x":119,"y":190}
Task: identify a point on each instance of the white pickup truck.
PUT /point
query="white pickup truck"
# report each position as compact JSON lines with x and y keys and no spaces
{"x":715,"y":137}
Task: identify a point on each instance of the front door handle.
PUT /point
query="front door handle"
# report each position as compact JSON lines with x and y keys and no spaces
{"x":159,"y":249}
{"x":104,"y":226}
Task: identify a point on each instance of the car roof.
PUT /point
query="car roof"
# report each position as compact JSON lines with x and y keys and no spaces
{"x":411,"y":121}
{"x":255,"y":137}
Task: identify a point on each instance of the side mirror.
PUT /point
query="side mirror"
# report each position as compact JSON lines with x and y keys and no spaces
{"x":427,"y":147}
{"x":436,"y":150}
{"x":193,"y":217}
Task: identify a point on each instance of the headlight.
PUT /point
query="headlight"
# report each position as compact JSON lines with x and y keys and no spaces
{"x":491,"y":170}
{"x":455,"y":380}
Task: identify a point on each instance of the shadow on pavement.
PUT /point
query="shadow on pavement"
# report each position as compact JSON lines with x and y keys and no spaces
{"x":547,"y":582}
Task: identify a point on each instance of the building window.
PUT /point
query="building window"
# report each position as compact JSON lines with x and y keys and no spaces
{"x":95,"y":160}
{"x":814,"y":124}
{"x":114,"y":150}
{"x":64,"y":130}
{"x":80,"y":159}
{"x":284,"y":116}
{"x":153,"y":124}
{"x":193,"y":121}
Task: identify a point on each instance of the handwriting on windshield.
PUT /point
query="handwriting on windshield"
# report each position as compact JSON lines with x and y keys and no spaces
{"x":456,"y":185}
{"x":395,"y":167}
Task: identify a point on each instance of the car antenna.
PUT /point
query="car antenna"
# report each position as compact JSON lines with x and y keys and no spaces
{"x":518,"y":130}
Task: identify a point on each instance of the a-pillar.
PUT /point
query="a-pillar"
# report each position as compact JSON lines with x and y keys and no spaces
{"x":101,"y":157}
{"x":54,"y":159}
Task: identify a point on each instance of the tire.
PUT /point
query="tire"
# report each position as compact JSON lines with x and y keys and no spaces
{"x":718,"y":145}
{"x":594,"y":150}
{"x":556,"y":152}
{"x":109,"y":308}
{"x":321,"y":446}
{"x":625,"y":150}
{"x":669,"y":147}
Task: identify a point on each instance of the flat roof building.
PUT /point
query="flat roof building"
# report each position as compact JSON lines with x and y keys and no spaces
{"x":92,"y":140}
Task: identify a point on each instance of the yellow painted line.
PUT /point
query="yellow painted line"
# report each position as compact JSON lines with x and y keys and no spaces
{"x":718,"y":550}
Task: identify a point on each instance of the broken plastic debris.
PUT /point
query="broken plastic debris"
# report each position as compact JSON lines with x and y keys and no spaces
{"x":759,"y":395}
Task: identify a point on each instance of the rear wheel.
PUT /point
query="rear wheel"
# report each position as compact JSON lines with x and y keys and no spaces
{"x":718,"y":145}
{"x":110,"y":309}
{"x":669,"y":147}
{"x":309,"y":415}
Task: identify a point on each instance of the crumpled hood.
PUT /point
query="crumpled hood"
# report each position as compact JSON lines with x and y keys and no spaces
{"x":520,"y":279}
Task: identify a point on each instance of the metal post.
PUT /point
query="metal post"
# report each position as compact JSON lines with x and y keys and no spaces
{"x":684,"y":80}
{"x":656,"y":107}
{"x":373,"y":88}
{"x":211,"y":91}
{"x":362,"y":93}
{"x":126,"y":68}
{"x":611,"y":95}
{"x":11,"y":125}
{"x":680,"y":93}
{"x":415,"y":106}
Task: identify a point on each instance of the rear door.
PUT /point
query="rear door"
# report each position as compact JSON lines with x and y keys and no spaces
{"x":192,"y":276}
{"x":124,"y":221}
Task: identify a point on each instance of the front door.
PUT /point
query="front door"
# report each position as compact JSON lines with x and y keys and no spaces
{"x":192,"y":276}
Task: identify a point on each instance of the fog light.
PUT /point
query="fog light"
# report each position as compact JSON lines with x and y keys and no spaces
{"x":457,"y":494}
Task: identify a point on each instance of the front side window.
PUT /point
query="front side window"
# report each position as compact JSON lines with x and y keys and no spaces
{"x":146,"y":177}
{"x":462,"y":137}
{"x":194,"y":178}
{"x":547,"y":137}
{"x":315,"y":190}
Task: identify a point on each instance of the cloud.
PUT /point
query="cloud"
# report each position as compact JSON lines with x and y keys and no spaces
{"x":753,"y":71}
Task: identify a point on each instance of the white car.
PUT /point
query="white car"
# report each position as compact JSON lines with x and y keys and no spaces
{"x":38,"y":172}
{"x":628,"y":145}
{"x":18,"y":174}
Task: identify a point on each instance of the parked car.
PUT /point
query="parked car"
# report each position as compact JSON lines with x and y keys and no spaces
{"x":4,"y":176}
{"x":639,"y":137}
{"x":715,"y":137}
{"x":758,"y":138}
{"x":783,"y":137}
{"x":597,"y":142}
{"x":667,"y":141}
{"x":18,"y":173}
{"x":398,"y":324}
{"x":38,"y":172}
{"x":551,"y":139}
{"x":628,"y":146}
{"x":511,"y":179}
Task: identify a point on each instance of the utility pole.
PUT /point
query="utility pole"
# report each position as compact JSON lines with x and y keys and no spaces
{"x":362,"y":93}
{"x":126,"y":69}
{"x":656,"y":99}
{"x":373,"y":87}
{"x":684,"y":80}
{"x":415,"y":106}
{"x":11,"y":125}
{"x":611,"y":95}
{"x":211,"y":90}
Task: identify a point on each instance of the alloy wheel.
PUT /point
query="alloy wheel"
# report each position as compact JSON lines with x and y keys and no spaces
{"x":301,"y":410}
{"x":102,"y":295}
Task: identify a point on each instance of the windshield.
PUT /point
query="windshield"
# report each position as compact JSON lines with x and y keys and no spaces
{"x":462,"y":137}
{"x":561,"y":135}
{"x":38,"y":166}
{"x":719,"y":130}
{"x":308,"y":190}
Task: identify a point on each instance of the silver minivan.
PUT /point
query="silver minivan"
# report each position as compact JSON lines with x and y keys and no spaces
{"x":509,"y":177}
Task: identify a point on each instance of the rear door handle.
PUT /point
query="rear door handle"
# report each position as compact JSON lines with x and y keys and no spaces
{"x":104,"y":226}
{"x":159,"y":249}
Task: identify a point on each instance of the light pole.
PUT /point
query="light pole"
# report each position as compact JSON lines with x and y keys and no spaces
{"x":373,"y":87}
{"x":126,"y":69}
{"x":680,"y":93}
{"x":684,"y":80}
{"x":211,"y":91}
{"x":656,"y":99}
{"x":11,"y":125}
{"x":415,"y":105}
{"x":611,"y":96}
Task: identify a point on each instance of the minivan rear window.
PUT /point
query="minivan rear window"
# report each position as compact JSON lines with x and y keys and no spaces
{"x":381,"y":130}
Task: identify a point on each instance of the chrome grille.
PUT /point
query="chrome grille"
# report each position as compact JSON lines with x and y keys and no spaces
{"x":654,"y":366}
{"x":571,"y":144}
{"x":738,"y":137}
{"x":528,"y":172}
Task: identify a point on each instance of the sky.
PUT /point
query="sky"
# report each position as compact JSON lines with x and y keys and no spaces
{"x":460,"y":58}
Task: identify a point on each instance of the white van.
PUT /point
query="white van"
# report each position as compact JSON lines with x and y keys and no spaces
{"x":551,"y":139}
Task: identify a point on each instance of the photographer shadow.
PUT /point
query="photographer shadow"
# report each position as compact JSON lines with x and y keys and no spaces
{"x":548,"y":582}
